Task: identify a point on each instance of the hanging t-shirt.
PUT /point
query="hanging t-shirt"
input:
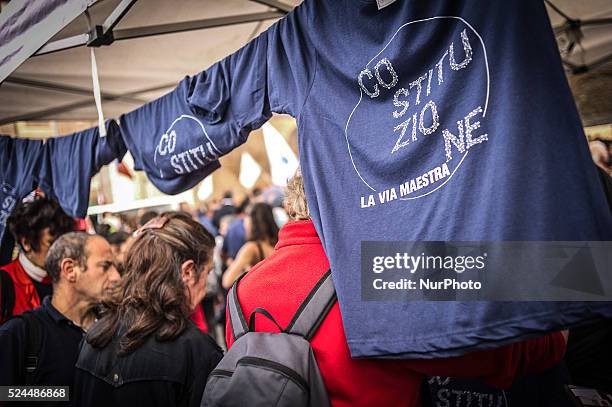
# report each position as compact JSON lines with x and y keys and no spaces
{"x":168,"y":137}
{"x":542,"y":389}
{"x":19,"y":164}
{"x":462,"y":103}
{"x":69,"y":163}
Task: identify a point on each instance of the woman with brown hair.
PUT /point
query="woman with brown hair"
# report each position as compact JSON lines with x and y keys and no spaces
{"x":262,"y":234}
{"x":145,"y":350}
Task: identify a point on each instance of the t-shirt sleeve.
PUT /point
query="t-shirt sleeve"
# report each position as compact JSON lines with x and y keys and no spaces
{"x":109,"y":148}
{"x":19,"y":166}
{"x":230,"y":96}
{"x":272,"y":73}
{"x":178,"y":138}
{"x":291,"y":60}
{"x":69,"y":163}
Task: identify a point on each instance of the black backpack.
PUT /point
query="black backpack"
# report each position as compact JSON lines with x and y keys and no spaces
{"x":32,"y":324}
{"x":272,"y":369}
{"x":31,"y":359}
{"x":7,"y":296}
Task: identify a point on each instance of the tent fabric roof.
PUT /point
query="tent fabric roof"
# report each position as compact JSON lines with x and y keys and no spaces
{"x":148,"y":67}
{"x":151,"y":64}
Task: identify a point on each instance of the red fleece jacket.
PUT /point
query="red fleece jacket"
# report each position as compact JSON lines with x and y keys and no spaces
{"x":283,"y":280}
{"x":26,"y":296}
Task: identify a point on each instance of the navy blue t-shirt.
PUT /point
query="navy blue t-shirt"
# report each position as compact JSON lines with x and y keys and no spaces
{"x":461,"y":108}
{"x":169,"y":138}
{"x":19,"y":165}
{"x":542,"y":389}
{"x":71,"y":161}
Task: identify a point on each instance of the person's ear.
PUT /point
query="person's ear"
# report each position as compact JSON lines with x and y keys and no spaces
{"x":67,"y":270}
{"x":188,"y":273}
{"x":25,"y":245}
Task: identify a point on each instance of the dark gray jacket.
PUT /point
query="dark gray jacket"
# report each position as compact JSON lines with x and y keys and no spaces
{"x":169,"y":373}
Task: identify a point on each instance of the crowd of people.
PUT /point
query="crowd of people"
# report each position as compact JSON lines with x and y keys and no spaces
{"x":245,"y":231}
{"x":135,"y":314}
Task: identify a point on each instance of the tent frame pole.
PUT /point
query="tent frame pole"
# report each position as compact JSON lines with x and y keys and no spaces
{"x":160,"y":29}
{"x":68,"y":89}
{"x":280,"y":6}
{"x":173,"y":28}
{"x":106,"y":34}
{"x":117,"y":15}
{"x":81,"y":103}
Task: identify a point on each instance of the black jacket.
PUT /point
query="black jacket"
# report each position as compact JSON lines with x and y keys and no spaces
{"x":169,"y":373}
{"x":59,"y":346}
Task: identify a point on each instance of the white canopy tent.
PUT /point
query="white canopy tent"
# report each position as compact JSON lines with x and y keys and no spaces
{"x":155,"y":43}
{"x":584,"y":34}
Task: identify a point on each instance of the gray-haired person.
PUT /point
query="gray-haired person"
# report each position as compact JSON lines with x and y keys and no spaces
{"x":40,"y":347}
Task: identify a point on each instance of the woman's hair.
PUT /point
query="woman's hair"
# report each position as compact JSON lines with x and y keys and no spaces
{"x":295,"y":198}
{"x":263,"y":225}
{"x":30,"y":219}
{"x":154,"y":300}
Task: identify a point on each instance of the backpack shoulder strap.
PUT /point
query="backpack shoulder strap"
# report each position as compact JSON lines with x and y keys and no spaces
{"x":238,"y":321}
{"x":313,"y":310}
{"x":33,"y":345}
{"x":7,"y":295}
